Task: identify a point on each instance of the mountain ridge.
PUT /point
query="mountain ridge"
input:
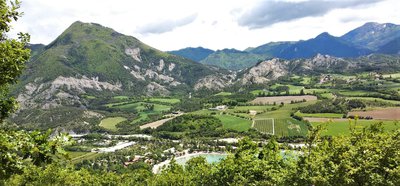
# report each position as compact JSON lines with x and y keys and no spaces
{"x":357,"y":42}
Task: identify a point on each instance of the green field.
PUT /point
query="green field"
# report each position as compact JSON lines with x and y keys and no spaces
{"x":355,"y":93}
{"x":166,"y":100}
{"x":257,"y":92}
{"x":235,"y":123}
{"x":377,"y":99}
{"x":342,"y":127}
{"x":316,"y":90}
{"x":327,"y":95}
{"x":256,"y":108}
{"x":110,"y":123}
{"x":223,"y":94}
{"x":120,"y":97}
{"x":292,"y":88}
{"x":306,"y":80}
{"x":139,"y":106}
{"x":397,"y":75}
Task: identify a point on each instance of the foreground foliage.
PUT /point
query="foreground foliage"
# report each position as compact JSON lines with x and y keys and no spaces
{"x":368,"y":157}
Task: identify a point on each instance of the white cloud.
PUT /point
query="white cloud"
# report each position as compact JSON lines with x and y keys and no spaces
{"x":175,"y":24}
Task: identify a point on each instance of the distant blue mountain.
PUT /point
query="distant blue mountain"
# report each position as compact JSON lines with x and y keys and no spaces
{"x":366,"y":39}
{"x":325,"y":44}
{"x":392,"y":47}
{"x":195,"y":54}
{"x":373,"y":35}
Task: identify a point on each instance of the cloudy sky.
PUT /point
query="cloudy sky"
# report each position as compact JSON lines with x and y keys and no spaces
{"x":215,"y":24}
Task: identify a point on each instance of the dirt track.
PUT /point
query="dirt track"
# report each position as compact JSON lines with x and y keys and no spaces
{"x":323,"y":119}
{"x":158,"y":123}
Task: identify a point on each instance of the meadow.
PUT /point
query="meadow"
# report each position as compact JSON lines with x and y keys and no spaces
{"x":110,"y":123}
{"x":336,"y":128}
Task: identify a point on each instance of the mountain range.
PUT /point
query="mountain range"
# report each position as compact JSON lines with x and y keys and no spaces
{"x":89,"y":62}
{"x":366,"y":39}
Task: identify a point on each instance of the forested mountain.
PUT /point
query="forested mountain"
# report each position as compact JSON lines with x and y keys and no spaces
{"x":90,"y":57}
{"x":366,"y":39}
{"x":88,"y":60}
{"x":323,"y":44}
{"x":392,"y":47}
{"x":233,"y":59}
{"x":373,"y":35}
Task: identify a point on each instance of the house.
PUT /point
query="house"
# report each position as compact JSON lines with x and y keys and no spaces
{"x":220,"y":107}
{"x":252,"y":112}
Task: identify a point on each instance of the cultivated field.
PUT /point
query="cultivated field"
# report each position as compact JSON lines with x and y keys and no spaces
{"x":342,"y":126}
{"x":281,"y":127}
{"x":284,"y":99}
{"x":383,"y":114}
{"x":264,"y":125}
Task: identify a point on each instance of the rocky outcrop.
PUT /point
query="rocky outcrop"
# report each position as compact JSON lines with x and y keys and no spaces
{"x":215,"y":82}
{"x":155,"y":88}
{"x":134,"y":53}
{"x":61,"y":91}
{"x":265,"y":71}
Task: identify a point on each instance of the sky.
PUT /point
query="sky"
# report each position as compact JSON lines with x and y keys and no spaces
{"x":215,"y":24}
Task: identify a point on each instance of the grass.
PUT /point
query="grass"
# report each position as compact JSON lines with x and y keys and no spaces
{"x":256,"y":108}
{"x":166,"y":100}
{"x":234,"y":123}
{"x":86,"y":156}
{"x":110,"y":123}
{"x":292,"y":88}
{"x":342,"y":127}
{"x":327,"y":95}
{"x":377,"y":99}
{"x":397,"y":75}
{"x":120,"y":97}
{"x":306,"y":80}
{"x":316,"y":90}
{"x":257,"y":92}
{"x":320,"y":115}
{"x":138,"y":106}
{"x":355,"y":93}
{"x":223,"y":94}
{"x":228,"y":121}
{"x":75,"y":154}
